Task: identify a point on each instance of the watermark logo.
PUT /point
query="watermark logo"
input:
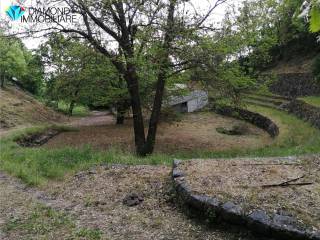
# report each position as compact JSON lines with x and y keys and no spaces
{"x":38,"y":13}
{"x":16,"y":11}
{"x":49,"y":15}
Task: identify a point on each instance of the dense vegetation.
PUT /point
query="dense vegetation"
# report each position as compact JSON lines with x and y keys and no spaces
{"x":20,"y":65}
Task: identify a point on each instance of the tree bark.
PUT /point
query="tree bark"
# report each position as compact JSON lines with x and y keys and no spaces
{"x":122,"y":108}
{"x":156,"y":111}
{"x":2,"y":78}
{"x":120,"y":118}
{"x":125,"y":38}
{"x":138,"y":124}
{"x":71,"y":107}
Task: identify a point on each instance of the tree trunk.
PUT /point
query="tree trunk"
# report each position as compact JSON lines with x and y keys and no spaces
{"x":2,"y":78}
{"x":121,"y":111}
{"x":138,"y":125}
{"x":156,"y":111}
{"x":71,"y":106}
{"x":120,"y":118}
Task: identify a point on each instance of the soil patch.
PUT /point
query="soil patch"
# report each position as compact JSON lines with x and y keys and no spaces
{"x":288,"y":188}
{"x":38,"y":139}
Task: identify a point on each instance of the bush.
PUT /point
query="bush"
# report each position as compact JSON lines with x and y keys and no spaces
{"x":168,"y":114}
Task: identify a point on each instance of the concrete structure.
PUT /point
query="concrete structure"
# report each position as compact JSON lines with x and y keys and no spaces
{"x":192,"y":102}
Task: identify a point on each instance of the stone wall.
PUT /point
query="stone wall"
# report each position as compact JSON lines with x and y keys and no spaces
{"x":210,"y":207}
{"x":304,"y":111}
{"x":295,"y":84}
{"x":254,"y":118}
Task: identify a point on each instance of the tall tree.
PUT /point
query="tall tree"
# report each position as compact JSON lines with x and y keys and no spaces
{"x":135,"y":25}
{"x":12,"y":60}
{"x":80,"y":75}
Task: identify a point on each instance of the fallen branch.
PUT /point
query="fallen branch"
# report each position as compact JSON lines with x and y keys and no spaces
{"x":288,"y":183}
{"x":271,"y":164}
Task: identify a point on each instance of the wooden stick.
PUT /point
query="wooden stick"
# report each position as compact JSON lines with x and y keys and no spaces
{"x":287,"y":185}
{"x":270,"y":164}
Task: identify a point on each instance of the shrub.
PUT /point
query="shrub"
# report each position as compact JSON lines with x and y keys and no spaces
{"x":168,"y":114}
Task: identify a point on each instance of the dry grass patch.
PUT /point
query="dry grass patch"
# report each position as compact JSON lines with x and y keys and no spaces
{"x":194,"y":131}
{"x":18,"y":108}
{"x":246,"y":182}
{"x":97,"y":196}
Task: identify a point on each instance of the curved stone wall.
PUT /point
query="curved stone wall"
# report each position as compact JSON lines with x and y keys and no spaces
{"x":275,"y":226}
{"x":254,"y":118}
{"x":304,"y":111}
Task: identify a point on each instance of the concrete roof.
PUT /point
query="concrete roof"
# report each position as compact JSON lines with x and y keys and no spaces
{"x":191,"y":96}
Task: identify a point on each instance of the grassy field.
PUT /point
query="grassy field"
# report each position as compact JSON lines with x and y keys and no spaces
{"x":36,"y":166}
{"x":78,"y":111}
{"x":44,"y":222}
{"x":312,"y":100}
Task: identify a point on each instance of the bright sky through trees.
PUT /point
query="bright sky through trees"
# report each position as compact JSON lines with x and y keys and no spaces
{"x":31,"y":43}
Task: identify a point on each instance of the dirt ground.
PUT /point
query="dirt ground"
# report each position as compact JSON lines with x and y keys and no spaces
{"x":94,"y":200}
{"x":247,"y":183}
{"x":194,"y":131}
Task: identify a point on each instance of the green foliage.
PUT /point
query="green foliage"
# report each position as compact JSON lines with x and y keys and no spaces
{"x":12,"y":60}
{"x":168,"y":114}
{"x":81,"y":76}
{"x":261,"y":32}
{"x":32,"y":79}
{"x":16,"y":62}
{"x":315,"y":16}
{"x":316,"y":68}
{"x":44,"y":223}
{"x":78,"y":111}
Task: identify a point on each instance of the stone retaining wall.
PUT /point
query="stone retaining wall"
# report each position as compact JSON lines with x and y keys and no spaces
{"x":277,"y":226}
{"x":254,"y":118}
{"x":295,"y":84}
{"x":304,"y":111}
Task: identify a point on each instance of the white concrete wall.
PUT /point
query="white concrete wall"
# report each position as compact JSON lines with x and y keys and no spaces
{"x":197,"y":104}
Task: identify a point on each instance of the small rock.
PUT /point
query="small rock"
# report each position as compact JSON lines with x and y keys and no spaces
{"x":92,"y":172}
{"x":177,"y":173}
{"x":133,"y":199}
{"x":260,"y":217}
{"x":282,"y":220}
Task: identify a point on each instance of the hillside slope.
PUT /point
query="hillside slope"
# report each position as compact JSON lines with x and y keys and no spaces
{"x":295,"y":64}
{"x":19,"y":108}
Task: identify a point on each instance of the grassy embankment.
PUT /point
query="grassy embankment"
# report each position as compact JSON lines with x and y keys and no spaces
{"x":312,"y":100}
{"x":35,"y":166}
